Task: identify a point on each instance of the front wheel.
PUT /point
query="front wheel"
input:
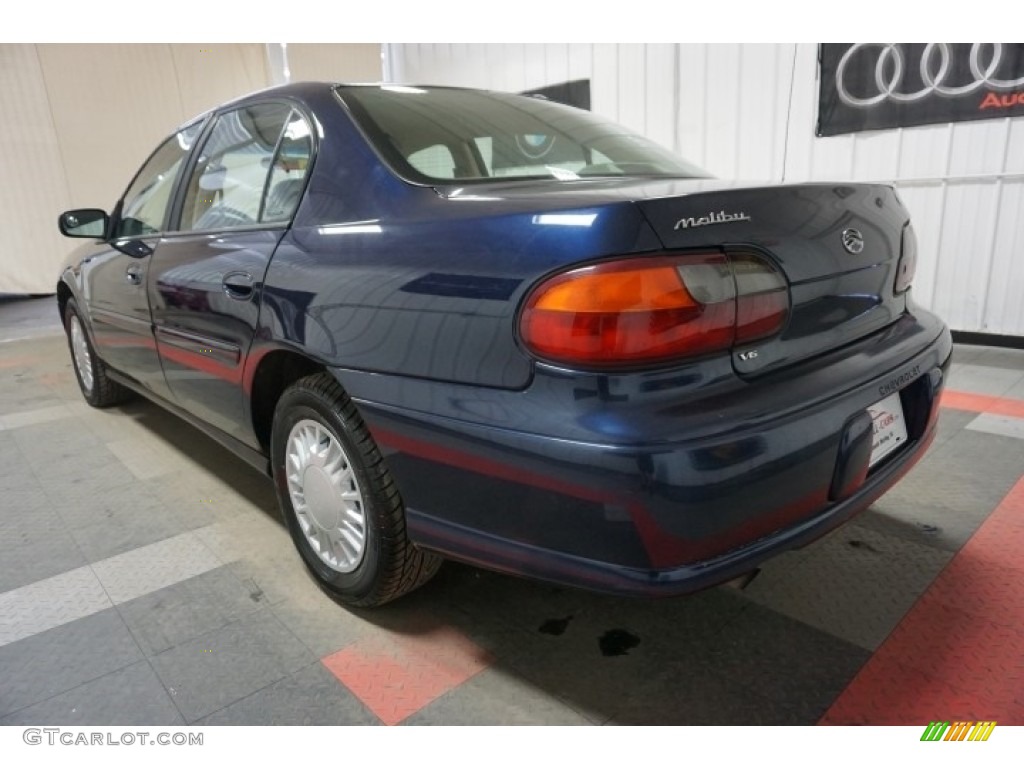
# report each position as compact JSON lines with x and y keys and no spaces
{"x":342,"y":507}
{"x":98,"y":389}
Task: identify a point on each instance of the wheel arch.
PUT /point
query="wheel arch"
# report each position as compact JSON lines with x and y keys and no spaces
{"x":64,"y":294}
{"x":275,"y":371}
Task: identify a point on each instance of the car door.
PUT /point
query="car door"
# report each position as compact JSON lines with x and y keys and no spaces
{"x":206,"y":276}
{"x":114,"y":279}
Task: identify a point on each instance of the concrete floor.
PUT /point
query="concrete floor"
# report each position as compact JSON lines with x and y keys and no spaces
{"x":145,"y":578}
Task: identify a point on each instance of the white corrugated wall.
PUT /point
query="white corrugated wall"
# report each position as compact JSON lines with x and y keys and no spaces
{"x":748,"y":111}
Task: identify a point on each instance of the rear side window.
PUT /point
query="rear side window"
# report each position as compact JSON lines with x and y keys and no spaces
{"x":144,"y":206}
{"x":228,"y":187}
{"x":288,"y":170}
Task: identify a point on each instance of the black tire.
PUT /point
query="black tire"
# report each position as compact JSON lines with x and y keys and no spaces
{"x":103,"y":392}
{"x":390,"y":565}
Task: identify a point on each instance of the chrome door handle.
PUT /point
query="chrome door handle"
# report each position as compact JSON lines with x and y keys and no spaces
{"x":133,"y":274}
{"x":238,"y":285}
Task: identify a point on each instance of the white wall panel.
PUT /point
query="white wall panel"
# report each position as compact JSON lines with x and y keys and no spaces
{"x":556,"y":63}
{"x":1015,"y":152}
{"x":351,"y":62}
{"x":71,"y":139}
{"x":692,"y":115}
{"x":877,"y":155}
{"x":760,"y":116}
{"x":749,"y":111}
{"x":33,"y":187}
{"x":925,"y":204}
{"x":1004,"y":307}
{"x":798,"y":162}
{"x":924,"y":152}
{"x":475,"y":56}
{"x":978,"y":147}
{"x":660,"y":100}
{"x":604,"y":82}
{"x":209,"y":74}
{"x":722,"y":116}
{"x":632,"y":74}
{"x":580,"y":57}
{"x":968,"y":223}
{"x":534,"y":64}
{"x":123,"y":126}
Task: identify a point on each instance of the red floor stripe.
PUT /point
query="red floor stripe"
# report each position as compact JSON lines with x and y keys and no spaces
{"x":959,"y":653}
{"x":396,"y":676}
{"x":967,"y":401}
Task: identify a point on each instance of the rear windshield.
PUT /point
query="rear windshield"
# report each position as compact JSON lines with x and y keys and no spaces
{"x":448,"y":135}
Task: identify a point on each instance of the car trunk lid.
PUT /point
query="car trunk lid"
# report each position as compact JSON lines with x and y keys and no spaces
{"x":838,"y":246}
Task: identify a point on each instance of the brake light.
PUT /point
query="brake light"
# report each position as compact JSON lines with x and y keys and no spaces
{"x":651,"y":309}
{"x":907,"y":265}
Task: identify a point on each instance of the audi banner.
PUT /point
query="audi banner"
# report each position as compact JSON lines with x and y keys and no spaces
{"x":871,"y":86}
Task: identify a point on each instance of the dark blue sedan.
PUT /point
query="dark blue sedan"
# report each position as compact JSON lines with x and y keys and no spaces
{"x":453,"y":323}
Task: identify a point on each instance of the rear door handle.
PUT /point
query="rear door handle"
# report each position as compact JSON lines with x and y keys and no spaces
{"x":238,"y":285}
{"x":133,"y":274}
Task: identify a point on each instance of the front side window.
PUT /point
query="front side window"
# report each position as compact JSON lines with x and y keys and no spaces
{"x":226,"y":188}
{"x":144,"y":209}
{"x":444,"y":134}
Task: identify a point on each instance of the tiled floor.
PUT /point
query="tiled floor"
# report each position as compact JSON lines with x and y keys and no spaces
{"x":145,"y":578}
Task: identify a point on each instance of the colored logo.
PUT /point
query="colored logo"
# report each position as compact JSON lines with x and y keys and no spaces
{"x":960,"y":731}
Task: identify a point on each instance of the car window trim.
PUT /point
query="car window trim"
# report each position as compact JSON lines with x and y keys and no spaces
{"x":214,"y":115}
{"x":269,"y":170}
{"x":178,"y":234}
{"x":202,"y":121}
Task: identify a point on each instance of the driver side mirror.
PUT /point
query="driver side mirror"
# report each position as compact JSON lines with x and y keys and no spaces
{"x":84,"y":222}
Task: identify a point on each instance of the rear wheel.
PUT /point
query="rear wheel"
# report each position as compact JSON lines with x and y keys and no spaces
{"x":342,"y":507}
{"x":98,"y":389}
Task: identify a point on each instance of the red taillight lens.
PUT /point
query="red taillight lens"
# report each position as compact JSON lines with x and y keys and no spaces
{"x":907,"y":265}
{"x":652,"y":309}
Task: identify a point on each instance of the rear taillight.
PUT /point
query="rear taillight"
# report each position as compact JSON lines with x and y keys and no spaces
{"x":907,"y":265}
{"x":654,"y":309}
{"x":762,"y":298}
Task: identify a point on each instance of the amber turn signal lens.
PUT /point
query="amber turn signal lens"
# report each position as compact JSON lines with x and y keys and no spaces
{"x":629,"y":289}
{"x":633,"y":311}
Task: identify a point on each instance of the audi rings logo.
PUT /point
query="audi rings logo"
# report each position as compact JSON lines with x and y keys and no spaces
{"x":891,"y":66}
{"x":853,"y":241}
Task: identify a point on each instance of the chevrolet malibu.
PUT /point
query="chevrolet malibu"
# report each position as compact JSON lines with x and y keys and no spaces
{"x":464,"y":324}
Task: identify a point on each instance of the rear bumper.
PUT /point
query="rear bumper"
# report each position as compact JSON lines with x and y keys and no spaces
{"x":652,"y":485}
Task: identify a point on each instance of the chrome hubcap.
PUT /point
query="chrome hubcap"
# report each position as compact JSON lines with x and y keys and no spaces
{"x":80,"y":350}
{"x":325,"y":495}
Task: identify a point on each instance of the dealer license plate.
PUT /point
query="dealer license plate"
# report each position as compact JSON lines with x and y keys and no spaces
{"x":890,"y":428}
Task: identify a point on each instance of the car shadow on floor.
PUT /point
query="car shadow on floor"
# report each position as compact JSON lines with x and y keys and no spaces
{"x":710,"y":658}
{"x":195,"y":446}
{"x":554,"y":654}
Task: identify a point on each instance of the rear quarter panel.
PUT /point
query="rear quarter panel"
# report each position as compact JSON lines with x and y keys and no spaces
{"x":381,"y":275}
